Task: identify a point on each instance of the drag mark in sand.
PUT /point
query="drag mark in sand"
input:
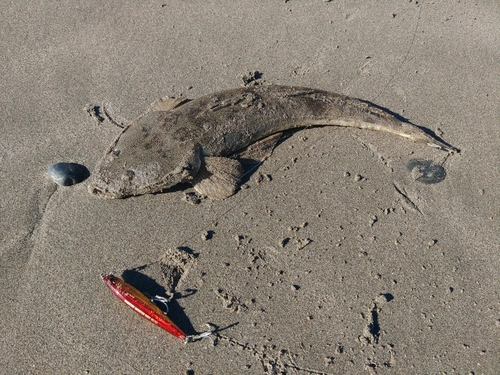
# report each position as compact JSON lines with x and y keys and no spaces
{"x":372,"y":333}
{"x":174,"y":265}
{"x":406,"y":199}
{"x":231,"y":302}
{"x":100,"y":114}
{"x":273,"y":361}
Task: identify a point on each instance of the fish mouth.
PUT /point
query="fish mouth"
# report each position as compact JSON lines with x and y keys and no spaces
{"x":102,"y":193}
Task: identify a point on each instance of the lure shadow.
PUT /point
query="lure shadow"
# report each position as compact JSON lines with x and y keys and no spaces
{"x":217,"y":329}
{"x":144,"y":283}
{"x":151,"y":288}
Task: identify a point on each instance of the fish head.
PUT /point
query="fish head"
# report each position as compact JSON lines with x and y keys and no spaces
{"x":143,"y":160}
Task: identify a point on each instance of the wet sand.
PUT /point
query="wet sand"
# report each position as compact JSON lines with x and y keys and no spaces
{"x":332,"y":258}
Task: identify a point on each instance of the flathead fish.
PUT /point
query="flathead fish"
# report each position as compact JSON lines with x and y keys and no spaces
{"x":180,"y":141}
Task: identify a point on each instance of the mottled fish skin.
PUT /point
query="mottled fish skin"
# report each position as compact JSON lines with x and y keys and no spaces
{"x":163,"y":148}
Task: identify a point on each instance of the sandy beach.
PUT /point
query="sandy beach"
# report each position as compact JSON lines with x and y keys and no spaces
{"x":333,"y":258}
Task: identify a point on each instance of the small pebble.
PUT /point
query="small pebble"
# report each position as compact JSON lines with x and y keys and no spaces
{"x":284,"y":241}
{"x":191,"y":197}
{"x":303,"y":243}
{"x":383,"y":298}
{"x":67,"y":174}
{"x":207,"y":235}
{"x":431,"y":243}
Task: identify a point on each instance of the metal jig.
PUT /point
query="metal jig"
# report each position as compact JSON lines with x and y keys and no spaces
{"x":146,"y":307}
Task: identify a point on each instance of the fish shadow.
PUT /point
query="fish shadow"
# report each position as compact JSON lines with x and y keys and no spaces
{"x":404,"y":119}
{"x":251,"y":165}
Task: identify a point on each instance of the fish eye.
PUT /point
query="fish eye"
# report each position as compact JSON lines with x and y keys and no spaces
{"x":116,"y":152}
{"x":128,"y":175}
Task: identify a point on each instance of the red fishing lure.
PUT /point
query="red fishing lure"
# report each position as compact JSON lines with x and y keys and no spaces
{"x":142,"y":305}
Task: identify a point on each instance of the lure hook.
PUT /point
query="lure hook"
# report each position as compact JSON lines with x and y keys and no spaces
{"x":192,"y":338}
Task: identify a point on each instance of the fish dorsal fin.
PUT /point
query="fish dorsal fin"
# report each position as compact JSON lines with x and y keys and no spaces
{"x":166,"y":104}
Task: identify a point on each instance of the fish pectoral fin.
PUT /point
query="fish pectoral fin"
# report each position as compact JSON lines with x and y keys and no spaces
{"x":259,"y":151}
{"x":166,"y":104}
{"x":218,"y":177}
